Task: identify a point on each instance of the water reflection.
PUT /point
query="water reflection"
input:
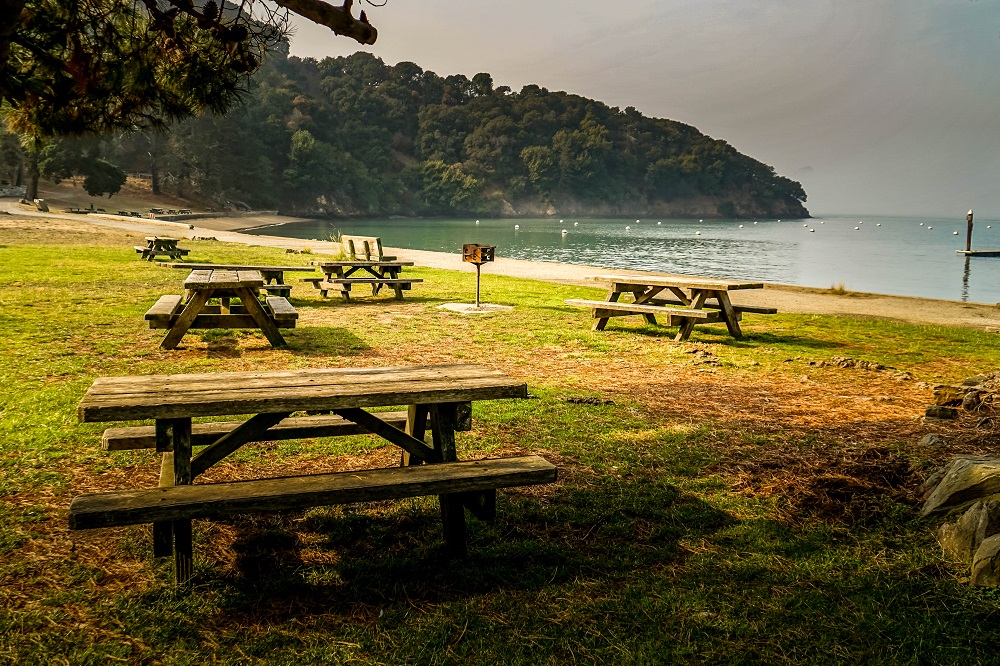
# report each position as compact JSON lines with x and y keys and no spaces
{"x":965,"y":280}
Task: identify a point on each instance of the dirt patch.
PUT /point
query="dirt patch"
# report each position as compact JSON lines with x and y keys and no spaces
{"x":854,"y":486}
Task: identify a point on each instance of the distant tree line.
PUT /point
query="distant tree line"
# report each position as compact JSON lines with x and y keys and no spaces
{"x":354,"y":136}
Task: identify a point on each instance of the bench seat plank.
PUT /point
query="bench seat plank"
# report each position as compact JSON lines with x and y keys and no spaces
{"x":636,"y":308}
{"x":131,"y":507}
{"x":281,"y":309}
{"x":164,"y":308}
{"x":752,"y":309}
{"x":372,"y":280}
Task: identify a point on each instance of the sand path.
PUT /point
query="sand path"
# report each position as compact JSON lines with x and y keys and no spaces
{"x":786,"y":298}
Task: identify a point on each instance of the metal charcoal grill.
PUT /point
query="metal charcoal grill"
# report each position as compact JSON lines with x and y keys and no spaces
{"x":477,"y":254}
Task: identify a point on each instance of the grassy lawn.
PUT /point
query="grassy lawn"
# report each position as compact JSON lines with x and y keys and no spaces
{"x":719,"y":501}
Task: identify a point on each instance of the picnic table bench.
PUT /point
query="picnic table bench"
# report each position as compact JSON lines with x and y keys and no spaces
{"x":439,"y":398}
{"x":179,"y":313}
{"x":688,"y":307}
{"x":156,"y":245}
{"x":342,"y":275}
{"x":273,"y":276}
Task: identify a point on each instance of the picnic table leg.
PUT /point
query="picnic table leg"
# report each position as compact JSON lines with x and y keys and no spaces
{"x":163,"y":533}
{"x":698,"y":301}
{"x":601,"y":322}
{"x":397,"y":287}
{"x":443,"y":419}
{"x":416,"y":426}
{"x":180,"y":438}
{"x":642,"y":296}
{"x":186,"y":318}
{"x":260,"y":316}
{"x":729,"y":313}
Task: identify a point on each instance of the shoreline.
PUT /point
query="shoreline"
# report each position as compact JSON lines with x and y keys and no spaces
{"x":787,"y":298}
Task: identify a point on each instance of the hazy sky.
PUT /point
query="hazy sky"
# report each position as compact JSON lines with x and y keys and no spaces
{"x":875,"y":106}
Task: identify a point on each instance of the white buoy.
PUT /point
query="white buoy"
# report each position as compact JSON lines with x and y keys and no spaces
{"x":575,"y":224}
{"x":560,"y":221}
{"x":861,"y":222}
{"x":516,"y":227}
{"x":627,"y":228}
{"x":755,"y":221}
{"x":659,"y":223}
{"x":697,"y":233}
{"x":954,"y":233}
{"x":812,"y":231}
{"x":477,"y":221}
{"x":564,"y":232}
{"x":822,"y":222}
{"x":921,"y":224}
{"x":741,"y":226}
{"x":930,"y":227}
{"x":637,"y":221}
{"x":857,"y":228}
{"x":779,"y":220}
{"x":878,"y":224}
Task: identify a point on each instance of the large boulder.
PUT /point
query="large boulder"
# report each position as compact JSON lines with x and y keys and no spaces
{"x":966,"y":479}
{"x":962,"y":539}
{"x":986,"y":563}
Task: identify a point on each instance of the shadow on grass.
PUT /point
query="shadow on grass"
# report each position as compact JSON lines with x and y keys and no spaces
{"x":609,"y":529}
{"x":324,"y":341}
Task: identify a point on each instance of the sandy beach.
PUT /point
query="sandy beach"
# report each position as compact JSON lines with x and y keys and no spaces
{"x":787,"y":298}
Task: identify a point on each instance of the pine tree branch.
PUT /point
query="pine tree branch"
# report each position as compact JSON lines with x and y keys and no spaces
{"x":338,"y":19}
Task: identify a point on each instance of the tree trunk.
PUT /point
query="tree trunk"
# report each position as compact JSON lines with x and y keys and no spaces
{"x":154,"y":167}
{"x":33,"y":184}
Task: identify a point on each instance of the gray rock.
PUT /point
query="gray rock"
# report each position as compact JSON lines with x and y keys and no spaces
{"x":966,"y":479}
{"x":973,"y":401}
{"x":941,"y":412}
{"x":961,"y":539}
{"x":931,"y":439}
{"x":986,"y":563}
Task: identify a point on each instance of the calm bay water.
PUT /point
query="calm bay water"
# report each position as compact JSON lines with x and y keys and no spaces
{"x":888,"y":255}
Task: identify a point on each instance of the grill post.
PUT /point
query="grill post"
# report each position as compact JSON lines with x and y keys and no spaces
{"x":477,"y":254}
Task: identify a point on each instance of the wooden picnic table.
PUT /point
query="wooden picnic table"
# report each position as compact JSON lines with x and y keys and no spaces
{"x":341,"y":275}
{"x":439,"y":397}
{"x":274,"y":276}
{"x":181,"y":313}
{"x":156,"y":245}
{"x":690,"y":303}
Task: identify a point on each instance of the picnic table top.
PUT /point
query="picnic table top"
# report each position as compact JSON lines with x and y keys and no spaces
{"x":682,"y":282}
{"x":207,"y":279}
{"x":215,"y":394}
{"x":232,"y":267}
{"x":169,"y":239}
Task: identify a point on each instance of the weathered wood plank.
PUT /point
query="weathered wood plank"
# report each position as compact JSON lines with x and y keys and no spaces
{"x":310,"y":398}
{"x":234,"y":267}
{"x":628,"y":282}
{"x":453,"y":371}
{"x":371,"y":264}
{"x":410,"y":444}
{"x":203,"y":321}
{"x":637,"y":308}
{"x":164,"y":308}
{"x":301,"y":427}
{"x":371,"y":280}
{"x":131,"y":507}
{"x":752,"y":309}
{"x":281,"y":308}
{"x":251,"y":430}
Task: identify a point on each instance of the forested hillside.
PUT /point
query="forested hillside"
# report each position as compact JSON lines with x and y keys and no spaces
{"x":354,"y":136}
